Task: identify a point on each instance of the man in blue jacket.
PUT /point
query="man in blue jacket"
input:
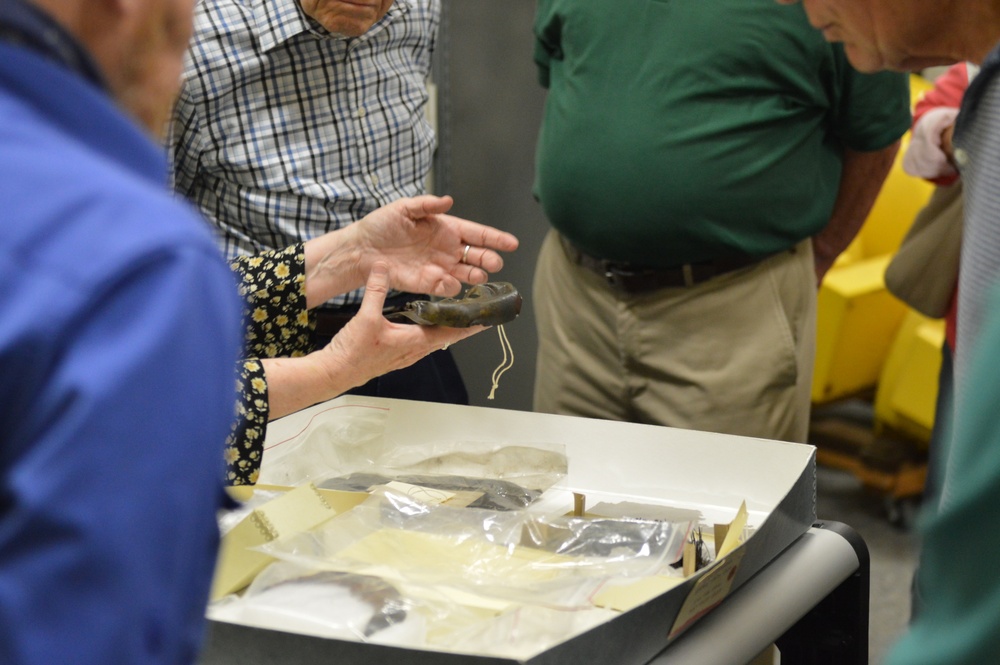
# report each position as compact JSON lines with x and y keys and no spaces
{"x":119,"y":329}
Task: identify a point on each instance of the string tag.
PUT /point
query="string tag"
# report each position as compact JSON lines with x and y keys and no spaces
{"x":504,"y":365}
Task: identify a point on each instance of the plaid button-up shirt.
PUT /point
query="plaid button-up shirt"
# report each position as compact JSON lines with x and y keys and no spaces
{"x":283,"y":132}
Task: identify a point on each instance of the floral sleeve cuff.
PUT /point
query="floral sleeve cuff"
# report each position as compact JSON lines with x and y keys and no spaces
{"x":245,"y":444}
{"x":272,"y":285}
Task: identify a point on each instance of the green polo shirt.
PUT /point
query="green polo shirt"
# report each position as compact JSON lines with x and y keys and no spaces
{"x":682,"y":130}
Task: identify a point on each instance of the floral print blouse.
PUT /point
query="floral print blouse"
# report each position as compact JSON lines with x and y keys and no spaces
{"x":272,"y":285}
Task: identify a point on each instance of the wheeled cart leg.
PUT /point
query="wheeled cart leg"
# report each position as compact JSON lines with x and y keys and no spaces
{"x":835,"y":631}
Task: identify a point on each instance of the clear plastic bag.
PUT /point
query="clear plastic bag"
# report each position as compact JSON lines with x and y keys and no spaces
{"x":228,"y":519}
{"x":346,"y":448}
{"x":364,"y":608}
{"x":515,"y":557}
{"x":325,"y":603}
{"x":495,"y":576}
{"x":345,"y":440}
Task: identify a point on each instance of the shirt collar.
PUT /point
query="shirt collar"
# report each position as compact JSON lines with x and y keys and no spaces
{"x":974,"y":93}
{"x":24,"y":24}
{"x":278,"y":21}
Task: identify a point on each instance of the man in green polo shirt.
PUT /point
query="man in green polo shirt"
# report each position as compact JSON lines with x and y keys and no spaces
{"x":702,"y":165}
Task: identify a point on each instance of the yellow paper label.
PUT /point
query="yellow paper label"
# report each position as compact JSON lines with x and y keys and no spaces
{"x":709,"y":591}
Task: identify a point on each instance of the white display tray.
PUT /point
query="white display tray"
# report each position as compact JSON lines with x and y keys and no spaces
{"x":608,"y":461}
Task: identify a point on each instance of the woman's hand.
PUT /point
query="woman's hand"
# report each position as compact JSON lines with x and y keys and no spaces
{"x":424,"y":248}
{"x":368,"y":346}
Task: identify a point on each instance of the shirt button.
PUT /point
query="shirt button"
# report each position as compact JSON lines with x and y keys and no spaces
{"x":374,"y":179}
{"x":961,"y":157}
{"x":362,"y":112}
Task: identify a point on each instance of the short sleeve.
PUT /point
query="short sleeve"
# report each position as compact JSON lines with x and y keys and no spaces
{"x":184,"y":146}
{"x":245,"y":444}
{"x":272,"y":285}
{"x":872,"y":111}
{"x":276,"y":323}
{"x":548,"y":29}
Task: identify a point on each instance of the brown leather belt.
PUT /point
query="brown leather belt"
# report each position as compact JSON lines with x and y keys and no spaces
{"x":630,"y":278}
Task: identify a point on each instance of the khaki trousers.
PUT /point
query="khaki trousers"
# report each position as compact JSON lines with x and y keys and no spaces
{"x":732,"y":355}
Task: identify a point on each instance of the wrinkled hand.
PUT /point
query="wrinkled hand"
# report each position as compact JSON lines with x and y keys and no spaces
{"x":424,"y":248}
{"x":370,"y":345}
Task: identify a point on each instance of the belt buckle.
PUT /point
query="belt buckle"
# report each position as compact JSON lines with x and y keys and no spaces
{"x":640,"y":281}
{"x":610,"y":276}
{"x":618,"y":278}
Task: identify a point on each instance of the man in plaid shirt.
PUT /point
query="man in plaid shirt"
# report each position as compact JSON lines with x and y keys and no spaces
{"x":298,"y":117}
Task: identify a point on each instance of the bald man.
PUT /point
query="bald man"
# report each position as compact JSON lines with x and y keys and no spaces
{"x":119,"y":330}
{"x":957,"y":580}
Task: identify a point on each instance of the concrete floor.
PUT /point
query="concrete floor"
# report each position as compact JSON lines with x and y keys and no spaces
{"x":893,"y":549}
